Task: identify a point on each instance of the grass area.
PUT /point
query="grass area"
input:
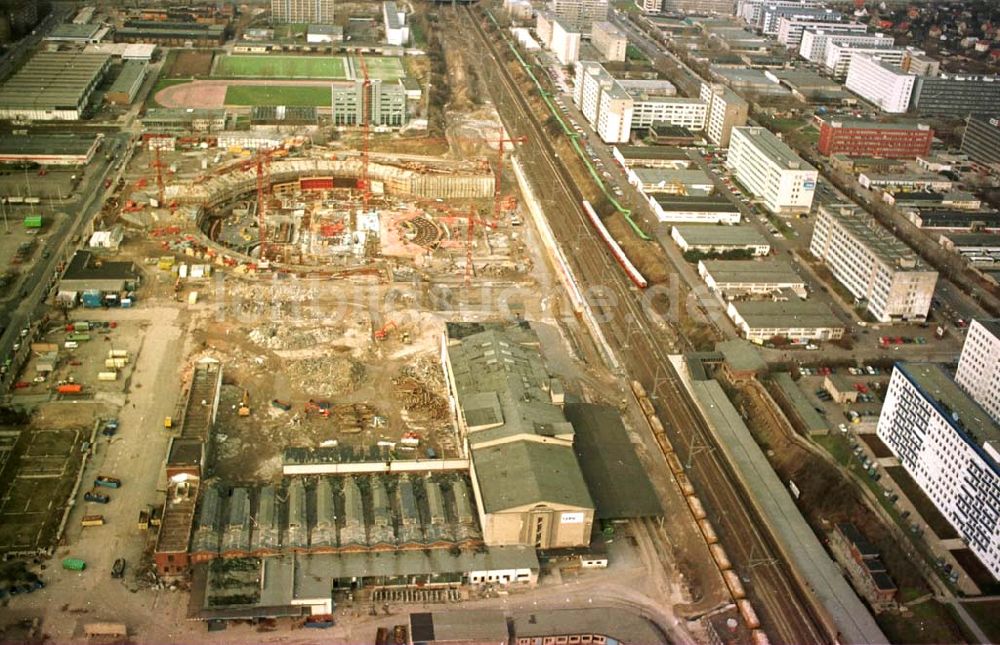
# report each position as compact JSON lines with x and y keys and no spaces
{"x":633,"y":53}
{"x":290,"y":30}
{"x":810,"y":134}
{"x":987,"y":616}
{"x":417,"y":35}
{"x":930,"y":622}
{"x":836,"y":445}
{"x":291,"y":67}
{"x":387,"y":68}
{"x":787,"y":124}
{"x":290,"y":96}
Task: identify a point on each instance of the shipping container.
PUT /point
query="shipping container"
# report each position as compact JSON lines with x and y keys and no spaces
{"x":107,"y":482}
{"x":80,"y":325}
{"x":107,"y":376}
{"x":78,"y":336}
{"x":70,"y":388}
{"x":33,"y":221}
{"x":92,"y":520}
{"x":748,"y":613}
{"x":74,"y":564}
{"x":117,"y":353}
{"x":115,"y":363}
{"x":96,"y":497}
{"x":108,"y":630}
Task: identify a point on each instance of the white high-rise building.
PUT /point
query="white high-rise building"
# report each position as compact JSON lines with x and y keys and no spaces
{"x":396,"y":30}
{"x":321,"y":11}
{"x":814,"y":41}
{"x":649,"y":6}
{"x":608,"y":39}
{"x":840,"y":53}
{"x":580,"y":14}
{"x":558,"y":36}
{"x":979,"y":365}
{"x":878,"y":269}
{"x":951,"y":448}
{"x":771,"y":170}
{"x":753,"y":11}
{"x":774,"y":12}
{"x":726,"y":110}
{"x":886,"y":86}
{"x":790,"y":28}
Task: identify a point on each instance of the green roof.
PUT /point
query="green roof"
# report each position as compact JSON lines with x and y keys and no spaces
{"x":523,"y":473}
{"x":741,"y":355}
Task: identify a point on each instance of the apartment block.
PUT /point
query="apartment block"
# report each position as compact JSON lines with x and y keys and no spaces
{"x":951,"y":448}
{"x":918,"y":63}
{"x":609,"y":40}
{"x":650,"y":6}
{"x":814,"y":41}
{"x":874,"y":139}
{"x":725,"y":110}
{"x":579,"y":15}
{"x":791,"y":28}
{"x":396,"y":31}
{"x":981,"y":142}
{"x":979,"y":365}
{"x":387,"y":103}
{"x":884,"y":85}
{"x":958,"y":95}
{"x":774,"y":12}
{"x":615,"y":107}
{"x":881,"y":272}
{"x":767,"y":167}
{"x":840,"y":53}
{"x":558,"y":36}
{"x":321,"y":11}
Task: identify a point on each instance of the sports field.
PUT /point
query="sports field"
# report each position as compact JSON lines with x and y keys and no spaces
{"x":308,"y":96}
{"x":387,"y":68}
{"x":300,"y":67}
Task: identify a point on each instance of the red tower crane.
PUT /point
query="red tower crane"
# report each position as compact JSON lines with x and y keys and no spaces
{"x":364,"y":181}
{"x":158,"y":165}
{"x":263,"y":163}
{"x":499,"y":172}
{"x":470,"y":234}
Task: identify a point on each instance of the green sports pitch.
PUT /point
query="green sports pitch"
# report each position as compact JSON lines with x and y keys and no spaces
{"x":387,"y":68}
{"x":287,"y":67}
{"x":302,"y":96}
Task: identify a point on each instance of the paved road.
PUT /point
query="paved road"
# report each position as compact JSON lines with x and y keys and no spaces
{"x":787,"y":611}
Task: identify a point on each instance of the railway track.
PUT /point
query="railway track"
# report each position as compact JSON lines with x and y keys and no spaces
{"x":786,"y":613}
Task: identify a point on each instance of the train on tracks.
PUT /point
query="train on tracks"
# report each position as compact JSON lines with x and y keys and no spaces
{"x":616,"y":250}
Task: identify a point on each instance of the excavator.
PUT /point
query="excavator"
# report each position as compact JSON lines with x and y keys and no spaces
{"x":383,"y":333}
{"x":321,"y":407}
{"x":244,"y":409}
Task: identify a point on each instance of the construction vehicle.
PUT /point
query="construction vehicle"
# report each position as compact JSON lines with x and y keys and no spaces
{"x":168,"y":422}
{"x":107,"y":482}
{"x":281,"y":405}
{"x":94,"y":496}
{"x":320,"y":407}
{"x":244,"y":409}
{"x":383,"y":333}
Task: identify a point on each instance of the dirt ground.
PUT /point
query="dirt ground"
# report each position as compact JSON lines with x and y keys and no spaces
{"x":189,"y":64}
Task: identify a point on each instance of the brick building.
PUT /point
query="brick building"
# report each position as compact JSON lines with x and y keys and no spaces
{"x":874,"y":139}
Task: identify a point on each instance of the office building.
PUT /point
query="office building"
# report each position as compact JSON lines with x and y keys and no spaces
{"x":126,"y":87}
{"x":979,"y":365}
{"x":609,"y":40}
{"x":918,"y":63}
{"x":321,"y":11}
{"x":752,"y":11}
{"x":650,"y":6}
{"x":579,"y":15}
{"x":720,"y":7}
{"x":840,"y":53}
{"x":615,"y":107}
{"x":725,"y":110}
{"x":387,"y":103}
{"x":732,"y":278}
{"x":981,"y":142}
{"x":885,"y":86}
{"x":790,"y":28}
{"x":881,"y":272}
{"x":528,"y":485}
{"x":693,"y":209}
{"x":396,"y":31}
{"x":773,"y":13}
{"x":53,"y":86}
{"x":958,"y":95}
{"x":815,"y":41}
{"x":770,"y":170}
{"x":874,"y":139}
{"x":951,"y":448}
{"x":558,"y":36}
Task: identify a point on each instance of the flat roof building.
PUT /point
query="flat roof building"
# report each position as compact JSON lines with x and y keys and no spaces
{"x":881,"y":83}
{"x":798,"y":320}
{"x":179,"y":34}
{"x":324,"y":34}
{"x":720,"y":239}
{"x":731,"y":278}
{"x":609,"y":40}
{"x":872,"y":138}
{"x":771,"y":171}
{"x":651,"y":157}
{"x":396,"y":30}
{"x":694,"y":209}
{"x":950,"y":446}
{"x":875,"y":266}
{"x":840,"y":52}
{"x":386,"y":103}
{"x":77,"y":34}
{"x":978,"y":370}
{"x":53,"y":86}
{"x":725,"y":110}
{"x":185,"y":120}
{"x":957,"y":95}
{"x":126,"y":87}
{"x":791,"y":27}
{"x":50,"y":150}
{"x":815,"y":41}
{"x":981,"y":141}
